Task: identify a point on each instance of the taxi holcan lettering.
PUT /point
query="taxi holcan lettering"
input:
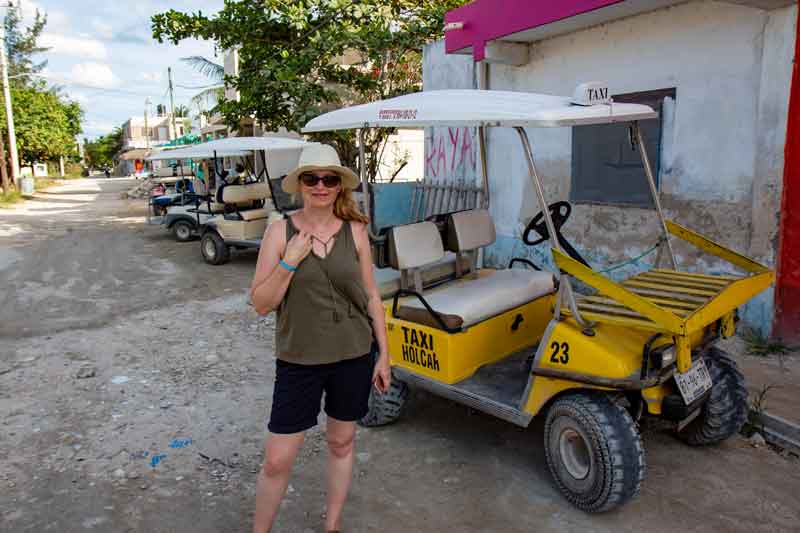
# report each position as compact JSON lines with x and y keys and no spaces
{"x":418,"y":348}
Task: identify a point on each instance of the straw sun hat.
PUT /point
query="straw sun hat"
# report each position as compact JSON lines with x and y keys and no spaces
{"x":319,"y":157}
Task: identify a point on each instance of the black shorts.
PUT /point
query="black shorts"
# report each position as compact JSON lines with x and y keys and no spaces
{"x":298,"y":392}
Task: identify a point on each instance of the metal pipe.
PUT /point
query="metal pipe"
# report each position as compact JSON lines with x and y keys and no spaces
{"x":551,"y":229}
{"x":420,"y":191}
{"x":412,"y":212}
{"x":426,"y":199}
{"x":437,"y":199}
{"x":648,"y":170}
{"x":484,"y":171}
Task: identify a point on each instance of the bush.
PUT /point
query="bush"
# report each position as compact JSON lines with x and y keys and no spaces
{"x":10,"y":197}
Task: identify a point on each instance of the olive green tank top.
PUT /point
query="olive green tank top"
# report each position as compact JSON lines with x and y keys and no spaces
{"x":323,"y":316}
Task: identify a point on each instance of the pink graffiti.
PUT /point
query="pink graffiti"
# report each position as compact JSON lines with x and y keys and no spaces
{"x":458,"y":150}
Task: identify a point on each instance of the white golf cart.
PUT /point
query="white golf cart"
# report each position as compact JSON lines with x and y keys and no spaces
{"x":247,"y":208}
{"x":190,"y":206}
{"x":516,"y":342}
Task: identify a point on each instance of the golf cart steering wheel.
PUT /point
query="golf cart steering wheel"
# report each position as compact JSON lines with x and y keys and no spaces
{"x":559,"y":212}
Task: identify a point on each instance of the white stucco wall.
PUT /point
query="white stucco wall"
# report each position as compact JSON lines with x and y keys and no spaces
{"x":722,"y":143}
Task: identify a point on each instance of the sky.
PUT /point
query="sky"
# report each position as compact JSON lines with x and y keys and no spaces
{"x":103,"y":55}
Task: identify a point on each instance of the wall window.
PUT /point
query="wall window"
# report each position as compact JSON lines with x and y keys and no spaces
{"x":605,"y":168}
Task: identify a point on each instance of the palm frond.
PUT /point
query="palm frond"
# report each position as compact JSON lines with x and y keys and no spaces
{"x":206,"y":67}
{"x":200,"y":99}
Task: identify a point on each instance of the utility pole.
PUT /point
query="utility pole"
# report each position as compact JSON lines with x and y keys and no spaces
{"x":12,"y":136}
{"x":172,"y":102}
{"x":4,"y":183}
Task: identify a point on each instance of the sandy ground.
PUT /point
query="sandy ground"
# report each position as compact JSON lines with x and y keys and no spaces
{"x":167,"y":434}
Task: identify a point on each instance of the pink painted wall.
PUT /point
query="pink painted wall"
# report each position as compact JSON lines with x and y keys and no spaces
{"x":485,"y":20}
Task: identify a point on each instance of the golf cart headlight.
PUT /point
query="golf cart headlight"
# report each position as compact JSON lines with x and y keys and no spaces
{"x":663,"y":357}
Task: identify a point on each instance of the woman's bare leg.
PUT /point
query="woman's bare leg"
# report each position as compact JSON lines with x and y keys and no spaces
{"x":340,"y":469}
{"x":279,"y":454}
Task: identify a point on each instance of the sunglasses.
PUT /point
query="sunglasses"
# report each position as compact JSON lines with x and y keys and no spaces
{"x":311,"y":180}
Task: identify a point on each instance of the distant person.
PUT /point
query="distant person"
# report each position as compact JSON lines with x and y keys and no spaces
{"x":315,"y":270}
{"x":107,"y":172}
{"x":241,"y":173}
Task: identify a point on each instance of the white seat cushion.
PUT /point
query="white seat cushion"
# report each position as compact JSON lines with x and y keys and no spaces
{"x":470,"y":230}
{"x":475,"y":300}
{"x":415,"y":245}
{"x":239,"y":194}
{"x":255,"y":214}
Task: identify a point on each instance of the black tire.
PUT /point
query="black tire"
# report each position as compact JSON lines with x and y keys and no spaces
{"x":183,"y":230}
{"x":214,"y":249}
{"x":594,"y":451}
{"x":725,"y":411}
{"x":386,"y":408}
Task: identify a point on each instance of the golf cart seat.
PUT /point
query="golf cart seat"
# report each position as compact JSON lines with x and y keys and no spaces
{"x":245,"y":201}
{"x":472,"y":298}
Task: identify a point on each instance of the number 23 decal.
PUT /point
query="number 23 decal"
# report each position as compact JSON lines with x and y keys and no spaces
{"x":560,"y":353}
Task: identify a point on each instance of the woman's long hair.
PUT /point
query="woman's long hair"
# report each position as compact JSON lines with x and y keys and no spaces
{"x":346,"y":208}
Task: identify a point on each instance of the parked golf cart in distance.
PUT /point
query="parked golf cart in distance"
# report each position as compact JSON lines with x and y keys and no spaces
{"x":247,"y":208}
{"x":184,"y":211}
{"x":517,"y":342}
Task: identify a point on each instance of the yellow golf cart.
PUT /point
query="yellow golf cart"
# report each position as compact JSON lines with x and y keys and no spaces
{"x":519,"y":342}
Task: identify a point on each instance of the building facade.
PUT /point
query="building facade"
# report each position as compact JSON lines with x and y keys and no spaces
{"x":719,"y":73}
{"x":137,"y":139}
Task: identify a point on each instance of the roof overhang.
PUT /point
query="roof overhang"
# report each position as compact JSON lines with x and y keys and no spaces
{"x":470,"y":28}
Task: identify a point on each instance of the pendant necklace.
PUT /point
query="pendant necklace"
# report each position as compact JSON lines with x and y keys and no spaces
{"x":323,"y":242}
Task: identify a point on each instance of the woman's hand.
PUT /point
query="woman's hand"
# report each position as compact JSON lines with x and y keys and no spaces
{"x":382,"y":375}
{"x":297,"y":248}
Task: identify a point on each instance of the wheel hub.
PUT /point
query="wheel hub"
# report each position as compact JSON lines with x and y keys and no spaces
{"x":211,"y":250}
{"x":574,"y":453}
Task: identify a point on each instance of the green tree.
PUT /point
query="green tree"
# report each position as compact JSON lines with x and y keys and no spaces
{"x":21,"y":44}
{"x":299,"y":59}
{"x":45,"y":124}
{"x":181,"y":111}
{"x":101,"y":151}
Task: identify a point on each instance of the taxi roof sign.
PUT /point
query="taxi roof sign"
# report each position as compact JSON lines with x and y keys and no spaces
{"x":591,"y":93}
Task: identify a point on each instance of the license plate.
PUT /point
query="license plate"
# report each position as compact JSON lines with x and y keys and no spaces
{"x":695,"y":382}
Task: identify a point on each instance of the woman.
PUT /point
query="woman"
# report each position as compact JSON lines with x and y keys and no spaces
{"x":315,"y":269}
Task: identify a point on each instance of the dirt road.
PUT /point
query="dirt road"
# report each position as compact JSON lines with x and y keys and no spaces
{"x":166,"y":434}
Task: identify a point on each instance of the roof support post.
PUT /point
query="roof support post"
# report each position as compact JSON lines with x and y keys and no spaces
{"x":565,"y":287}
{"x":484,"y":172}
{"x":648,"y":170}
{"x":362,"y":175}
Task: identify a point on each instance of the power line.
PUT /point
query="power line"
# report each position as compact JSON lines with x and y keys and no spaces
{"x":212,"y":86}
{"x":78,"y":84}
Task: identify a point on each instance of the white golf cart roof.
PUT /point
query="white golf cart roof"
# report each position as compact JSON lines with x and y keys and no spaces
{"x":230,"y":147}
{"x":193,"y":152}
{"x":465,"y":107}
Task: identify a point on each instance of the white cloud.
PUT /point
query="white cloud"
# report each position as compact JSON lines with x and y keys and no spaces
{"x":94,"y":74}
{"x":102,"y":28}
{"x":79,"y":97}
{"x":83,"y":47}
{"x":56,"y":20}
{"x":155,"y":76}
